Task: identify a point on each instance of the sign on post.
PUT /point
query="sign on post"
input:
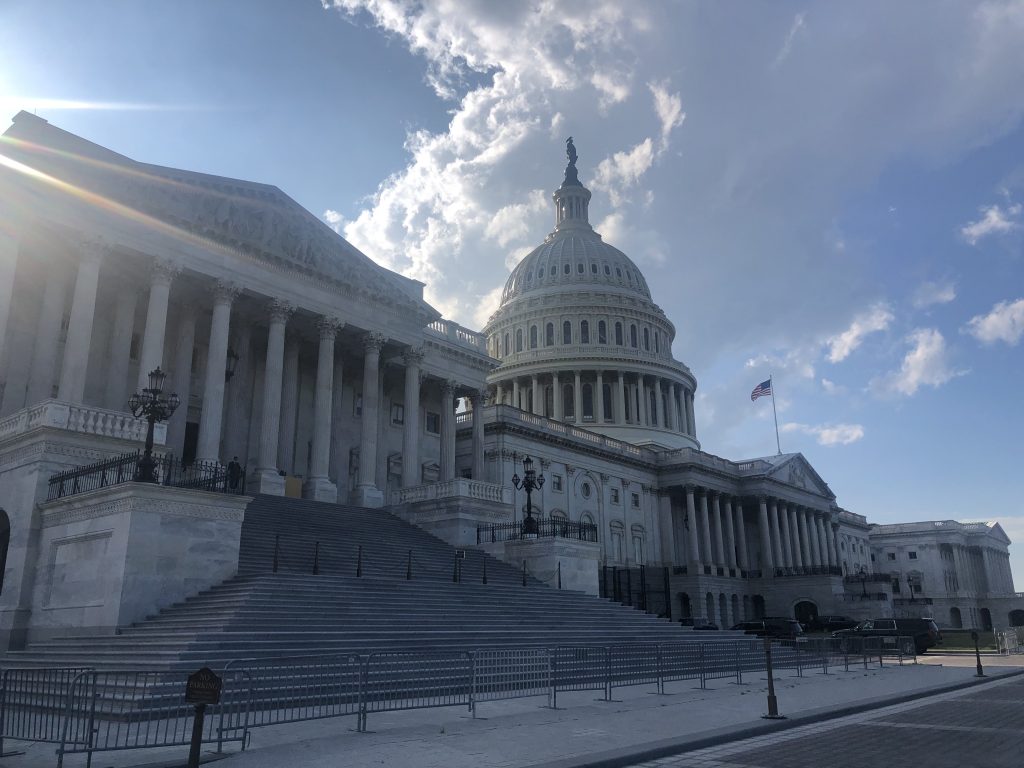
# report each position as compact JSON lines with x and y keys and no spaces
{"x":201,"y":688}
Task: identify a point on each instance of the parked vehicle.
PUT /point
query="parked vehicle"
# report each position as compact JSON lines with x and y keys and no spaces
{"x":772,"y":626}
{"x":830,"y":624}
{"x":923,"y":633}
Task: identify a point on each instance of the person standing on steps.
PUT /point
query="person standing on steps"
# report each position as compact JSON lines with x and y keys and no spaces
{"x":234,"y":473}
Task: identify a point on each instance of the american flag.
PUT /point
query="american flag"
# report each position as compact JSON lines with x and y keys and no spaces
{"x":761,"y":390}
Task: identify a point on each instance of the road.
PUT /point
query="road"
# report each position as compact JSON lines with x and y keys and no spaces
{"x":980,"y":727}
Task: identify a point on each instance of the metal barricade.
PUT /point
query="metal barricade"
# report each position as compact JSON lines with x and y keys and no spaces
{"x":749,"y":657}
{"x":681,"y":661}
{"x":108,"y":711}
{"x":720,"y":661}
{"x":510,"y":673}
{"x":579,"y":668}
{"x":788,"y":654}
{"x":634,"y":664}
{"x":32,"y":703}
{"x":290,"y":690}
{"x":395,"y":680}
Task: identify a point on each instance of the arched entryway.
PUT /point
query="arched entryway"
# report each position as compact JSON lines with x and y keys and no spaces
{"x":736,"y":616}
{"x":723,"y":611}
{"x":986,"y":619}
{"x":805,"y":611}
{"x":758,"y":607}
{"x":746,"y":607}
{"x":709,"y":607}
{"x":5,"y":542}
{"x":684,"y":606}
{"x":956,"y":621}
{"x":1016,"y":618}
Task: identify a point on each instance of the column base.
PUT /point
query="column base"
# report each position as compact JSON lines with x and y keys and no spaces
{"x":268,"y":481}
{"x":367,"y":496}
{"x":320,"y":489}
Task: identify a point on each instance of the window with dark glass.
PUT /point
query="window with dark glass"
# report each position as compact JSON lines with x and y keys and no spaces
{"x":607,"y":389}
{"x":506,"y":343}
{"x":618,"y":335}
{"x":579,"y":267}
{"x":567,"y":332}
{"x":588,"y":401}
{"x":519,"y":340}
{"x":584,"y":332}
{"x":566,"y":269}
{"x":533,"y":337}
{"x":549,"y":335}
{"x":602,"y":332}
{"x":647,"y":340}
{"x":593,"y":268}
{"x":568,"y":404}
{"x":632,"y":336}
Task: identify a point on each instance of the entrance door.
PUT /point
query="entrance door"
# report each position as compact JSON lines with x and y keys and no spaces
{"x":805,"y":612}
{"x":188,"y":451}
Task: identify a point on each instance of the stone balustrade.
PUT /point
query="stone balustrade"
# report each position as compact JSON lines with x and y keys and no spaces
{"x":458,"y":335}
{"x":460,"y":487}
{"x":75,"y":417}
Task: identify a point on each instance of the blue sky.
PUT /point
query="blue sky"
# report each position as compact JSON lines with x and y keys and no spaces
{"x":830,"y":193}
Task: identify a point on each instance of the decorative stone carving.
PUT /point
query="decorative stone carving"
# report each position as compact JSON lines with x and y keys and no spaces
{"x":164,"y":271}
{"x":225,"y":291}
{"x":413,"y":355}
{"x":328,"y":326}
{"x":374,"y":342}
{"x":280,"y":310}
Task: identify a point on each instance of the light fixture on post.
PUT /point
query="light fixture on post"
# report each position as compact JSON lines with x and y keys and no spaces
{"x":863,"y":576}
{"x":529,"y":482}
{"x":229,"y":364}
{"x":153,"y":406}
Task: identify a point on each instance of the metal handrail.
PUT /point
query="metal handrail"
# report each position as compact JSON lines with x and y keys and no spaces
{"x":169,"y":471}
{"x":550,"y":528}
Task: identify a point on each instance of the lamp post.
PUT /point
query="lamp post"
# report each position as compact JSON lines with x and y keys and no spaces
{"x":151,"y":404}
{"x":529,"y":482}
{"x":863,"y":576}
{"x":230,"y":363}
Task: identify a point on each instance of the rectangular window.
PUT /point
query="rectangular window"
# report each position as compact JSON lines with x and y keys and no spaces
{"x":615,"y":495}
{"x":895,"y":586}
{"x":433,"y":423}
{"x":133,"y":350}
{"x":357,"y":404}
{"x":891,"y":555}
{"x":912,"y":555}
{"x":556,"y":483}
{"x":397,"y":414}
{"x":636,"y":501}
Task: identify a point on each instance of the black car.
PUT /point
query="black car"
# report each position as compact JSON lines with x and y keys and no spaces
{"x":771,"y":626}
{"x":924,"y":632}
{"x":830,"y":623}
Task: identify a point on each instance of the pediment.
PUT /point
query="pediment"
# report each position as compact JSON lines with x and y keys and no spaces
{"x":796,"y":471}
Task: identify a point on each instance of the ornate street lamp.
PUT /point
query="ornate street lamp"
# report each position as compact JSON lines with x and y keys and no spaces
{"x":153,"y":406}
{"x":529,"y":483}
{"x":863,"y":576}
{"x":230,"y":363}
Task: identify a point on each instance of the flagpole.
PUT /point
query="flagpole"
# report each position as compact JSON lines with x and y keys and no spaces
{"x":771,"y":386}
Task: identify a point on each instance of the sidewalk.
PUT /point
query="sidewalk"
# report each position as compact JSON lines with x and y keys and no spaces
{"x":584,"y":731}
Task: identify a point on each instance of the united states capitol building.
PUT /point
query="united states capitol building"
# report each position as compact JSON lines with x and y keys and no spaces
{"x":329,"y":377}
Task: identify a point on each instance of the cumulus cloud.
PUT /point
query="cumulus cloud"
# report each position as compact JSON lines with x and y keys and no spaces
{"x":828,"y":434}
{"x":623,"y":170}
{"x":928,"y":294}
{"x":513,"y":221}
{"x":927,"y":363}
{"x":1004,"y":323}
{"x":831,"y":388}
{"x":335,"y":220}
{"x":841,"y":346}
{"x":799,"y":360}
{"x":669,"y":107}
{"x":995,"y":220}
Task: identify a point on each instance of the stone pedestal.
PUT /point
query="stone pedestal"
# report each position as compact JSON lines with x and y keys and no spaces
{"x":578,"y":560}
{"x":320,"y":489}
{"x":367,"y":496}
{"x":268,"y":481}
{"x":453,"y":511}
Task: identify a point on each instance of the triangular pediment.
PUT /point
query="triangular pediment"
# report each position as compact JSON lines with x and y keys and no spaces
{"x":793,"y":469}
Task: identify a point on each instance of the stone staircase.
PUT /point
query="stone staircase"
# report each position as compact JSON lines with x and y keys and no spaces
{"x":296,"y":612}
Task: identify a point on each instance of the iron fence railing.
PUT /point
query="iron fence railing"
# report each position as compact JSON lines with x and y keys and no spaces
{"x":550,"y":528}
{"x":168,"y":470}
{"x":89,"y":711}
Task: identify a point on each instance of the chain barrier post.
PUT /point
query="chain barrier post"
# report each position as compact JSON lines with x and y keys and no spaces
{"x":524,"y":573}
{"x":977,"y":653}
{"x":359,"y":561}
{"x":703,"y":681}
{"x":485,"y":568}
{"x":277,"y":547}
{"x":661,"y":673}
{"x":316,"y":558}
{"x":607,"y":673}
{"x":773,"y":704}
{"x":559,"y":574}
{"x":408,"y":567}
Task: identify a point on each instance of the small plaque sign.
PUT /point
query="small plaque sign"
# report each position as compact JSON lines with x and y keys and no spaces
{"x":203,"y":687}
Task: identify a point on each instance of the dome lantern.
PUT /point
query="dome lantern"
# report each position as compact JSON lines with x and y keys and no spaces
{"x":572,"y":199}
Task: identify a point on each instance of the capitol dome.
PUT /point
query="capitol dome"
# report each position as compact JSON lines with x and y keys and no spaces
{"x":581,"y":341}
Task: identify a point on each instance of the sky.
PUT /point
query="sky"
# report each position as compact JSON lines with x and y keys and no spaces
{"x":831,"y":194}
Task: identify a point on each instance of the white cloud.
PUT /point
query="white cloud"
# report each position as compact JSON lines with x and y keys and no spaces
{"x":831,"y":388}
{"x":926,"y":364}
{"x":623,"y":170}
{"x":995,"y":220}
{"x":669,"y":107}
{"x":1004,"y":323}
{"x":335,"y":220}
{"x":929,"y":294}
{"x":513,"y":222}
{"x":799,"y":360}
{"x":787,"y":46}
{"x":877,"y":318}
{"x":613,"y":90}
{"x":828,"y":434}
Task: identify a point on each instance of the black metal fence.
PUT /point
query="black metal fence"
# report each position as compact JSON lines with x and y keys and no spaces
{"x":550,"y":528}
{"x":168,"y":470}
{"x":644,"y":587}
{"x":809,"y":570}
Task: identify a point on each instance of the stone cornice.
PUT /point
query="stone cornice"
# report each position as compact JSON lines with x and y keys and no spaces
{"x":143,"y":497}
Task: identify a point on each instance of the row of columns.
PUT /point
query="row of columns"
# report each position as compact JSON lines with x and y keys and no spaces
{"x":795,"y":537}
{"x":631,"y":398}
{"x":982,"y":570}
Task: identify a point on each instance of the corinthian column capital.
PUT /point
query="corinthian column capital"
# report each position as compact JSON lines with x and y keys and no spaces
{"x":164,"y":271}
{"x":225,"y":291}
{"x":280,"y":310}
{"x":413,"y":355}
{"x":328,"y":326}
{"x":374,"y":342}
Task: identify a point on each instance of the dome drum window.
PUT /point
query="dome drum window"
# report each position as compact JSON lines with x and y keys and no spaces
{"x":584,"y":332}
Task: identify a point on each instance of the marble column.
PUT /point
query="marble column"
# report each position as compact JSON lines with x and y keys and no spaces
{"x":812,"y":534}
{"x":805,"y":544}
{"x":705,"y":529}
{"x":741,"y":535}
{"x":691,"y":422}
{"x":79,"y":338}
{"x":499,"y":394}
{"x":367,"y":494}
{"x":822,"y":544}
{"x":477,"y":400}
{"x":339,"y":438}
{"x":716,"y":527}
{"x":767,"y":560}
{"x":691,"y":516}
{"x":447,"y":432}
{"x":673,"y":397}
{"x":152,"y":353}
{"x":830,"y":535}
{"x":577,"y":394}
{"x":238,"y":395}
{"x":119,"y":351}
{"x":267,"y":478}
{"x":181,"y":378}
{"x":319,"y":486}
{"x":8,"y":267}
{"x":556,"y":397}
{"x":645,"y":402}
{"x":787,"y":540}
{"x":47,"y":339}
{"x":730,"y":533}
{"x":599,"y":399}
{"x":515,"y":393}
{"x":208,"y":448}
{"x":538,"y":400}
{"x":773,"y":518}
{"x":289,"y":406}
{"x":411,"y":428}
{"x":659,"y":405}
{"x":794,"y":530}
{"x":668,"y":546}
{"x":619,"y":412}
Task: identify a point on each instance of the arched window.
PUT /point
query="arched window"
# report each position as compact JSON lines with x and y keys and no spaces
{"x":549,"y":335}
{"x":647,"y":340}
{"x":506,"y":343}
{"x":602,"y":332}
{"x":554,"y":270}
{"x":618,"y":531}
{"x":566,"y":269}
{"x":584,"y":332}
{"x":632,"y":336}
{"x":618,"y":333}
{"x":637,"y":534}
{"x":533,"y":337}
{"x":593,"y":268}
{"x":607,"y":270}
{"x":519,"y":340}
{"x":588,"y":401}
{"x":568,"y":404}
{"x":579,"y":268}
{"x":567,"y":332}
